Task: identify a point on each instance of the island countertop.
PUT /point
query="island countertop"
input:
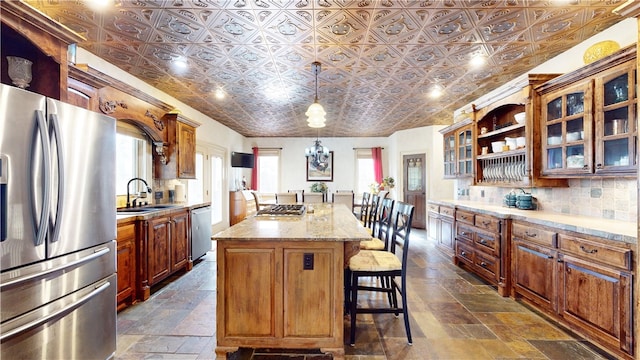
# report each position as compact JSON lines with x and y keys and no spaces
{"x":321,"y":222}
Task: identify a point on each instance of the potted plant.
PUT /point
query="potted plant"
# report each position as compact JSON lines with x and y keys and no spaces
{"x":388,"y":183}
{"x":320,"y":187}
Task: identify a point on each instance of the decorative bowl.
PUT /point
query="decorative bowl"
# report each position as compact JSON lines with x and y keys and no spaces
{"x":497,"y":146}
{"x":573,"y":136}
{"x":554,"y":140}
{"x":520,"y":117}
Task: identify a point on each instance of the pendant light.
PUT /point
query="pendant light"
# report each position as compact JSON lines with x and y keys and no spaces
{"x":316,"y":112}
{"x":318,"y":154}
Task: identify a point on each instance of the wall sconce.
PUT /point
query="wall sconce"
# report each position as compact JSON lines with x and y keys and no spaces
{"x":160,"y":150}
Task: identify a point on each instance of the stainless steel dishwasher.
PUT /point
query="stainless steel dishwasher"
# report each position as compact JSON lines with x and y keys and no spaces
{"x":200,"y":232}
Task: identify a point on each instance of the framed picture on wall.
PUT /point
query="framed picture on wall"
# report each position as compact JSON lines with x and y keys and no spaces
{"x":315,"y":174}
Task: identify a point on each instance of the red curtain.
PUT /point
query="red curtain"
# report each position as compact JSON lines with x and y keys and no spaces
{"x":376,"y":154}
{"x":254,"y":171}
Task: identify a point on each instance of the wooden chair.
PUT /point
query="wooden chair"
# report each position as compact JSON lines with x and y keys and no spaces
{"x":258,"y":200}
{"x":343,"y":198}
{"x":381,"y":229}
{"x":387,"y":265}
{"x":313,"y":198}
{"x":383,"y":194}
{"x":372,"y":217}
{"x":286,"y":198}
{"x":299,"y":195}
{"x":364,"y":207}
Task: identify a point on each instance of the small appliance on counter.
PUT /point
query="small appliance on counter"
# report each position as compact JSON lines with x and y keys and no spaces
{"x":522,"y":201}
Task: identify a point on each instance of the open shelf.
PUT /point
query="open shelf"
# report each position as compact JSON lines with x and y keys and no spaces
{"x":501,"y":131}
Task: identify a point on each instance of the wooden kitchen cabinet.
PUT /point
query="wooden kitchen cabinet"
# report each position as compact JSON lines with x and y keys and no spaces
{"x":582,"y":281}
{"x":458,"y":149}
{"x":516,"y":167}
{"x":179,"y":160}
{"x":440,"y":227}
{"x":166,"y":245}
{"x":126,"y":268}
{"x":533,"y":264}
{"x":272,"y":306}
{"x":481,"y":247}
{"x":595,"y":290}
{"x":588,"y":119}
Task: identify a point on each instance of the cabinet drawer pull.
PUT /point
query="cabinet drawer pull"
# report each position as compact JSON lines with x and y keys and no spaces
{"x":463,"y":233}
{"x":463,"y":217}
{"x":483,"y":241}
{"x":463,"y":253}
{"x":486,"y":223}
{"x":530,"y":234}
{"x":599,"y":166}
{"x":549,"y":256}
{"x":585,"y":167}
{"x":560,"y":261}
{"x":483,"y":264}
{"x":592,"y":251}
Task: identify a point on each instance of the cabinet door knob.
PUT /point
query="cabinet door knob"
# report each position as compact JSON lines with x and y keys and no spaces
{"x":483,"y":264}
{"x":585,"y":167}
{"x":463,"y":253}
{"x":598,"y":166}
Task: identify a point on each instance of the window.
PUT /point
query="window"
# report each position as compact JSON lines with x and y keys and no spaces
{"x":133,"y":154}
{"x":268,"y":171}
{"x":364,"y":171}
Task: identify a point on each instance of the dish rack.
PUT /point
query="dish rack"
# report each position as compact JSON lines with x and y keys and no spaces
{"x":504,"y":169}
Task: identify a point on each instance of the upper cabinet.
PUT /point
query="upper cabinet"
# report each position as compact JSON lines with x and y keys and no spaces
{"x":507,"y":141}
{"x":27,"y":34}
{"x":175,"y":158}
{"x":458,"y":147}
{"x":588,"y":119}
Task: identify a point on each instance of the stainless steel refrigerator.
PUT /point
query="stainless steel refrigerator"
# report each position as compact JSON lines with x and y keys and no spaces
{"x":58,"y":229}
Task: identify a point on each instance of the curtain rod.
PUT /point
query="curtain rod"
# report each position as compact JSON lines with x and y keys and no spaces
{"x":365,"y":148}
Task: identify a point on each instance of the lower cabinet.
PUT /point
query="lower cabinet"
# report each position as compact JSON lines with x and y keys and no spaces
{"x":440,"y":227}
{"x":582,"y":281}
{"x":283,"y":302}
{"x":481,"y":247}
{"x":167,"y":245}
{"x":126,"y":268}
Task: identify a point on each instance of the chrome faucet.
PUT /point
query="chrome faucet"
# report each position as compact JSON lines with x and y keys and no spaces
{"x":128,"y":194}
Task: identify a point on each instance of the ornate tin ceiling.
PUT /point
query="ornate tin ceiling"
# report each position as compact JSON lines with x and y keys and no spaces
{"x":380,"y":58}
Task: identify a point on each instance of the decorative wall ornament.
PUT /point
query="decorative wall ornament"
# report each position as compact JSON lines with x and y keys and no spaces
{"x":157,"y":122}
{"x":109,"y":106}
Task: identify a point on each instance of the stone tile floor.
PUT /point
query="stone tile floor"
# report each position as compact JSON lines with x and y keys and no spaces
{"x":454,"y":315}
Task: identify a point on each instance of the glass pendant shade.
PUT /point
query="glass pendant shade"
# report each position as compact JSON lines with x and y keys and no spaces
{"x":316,"y":115}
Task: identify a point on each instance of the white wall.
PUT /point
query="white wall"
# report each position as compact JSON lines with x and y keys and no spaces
{"x":293,"y":172}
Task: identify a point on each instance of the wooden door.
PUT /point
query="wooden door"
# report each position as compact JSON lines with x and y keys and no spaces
{"x":126,"y":259}
{"x":534,"y":273}
{"x":414,"y":187}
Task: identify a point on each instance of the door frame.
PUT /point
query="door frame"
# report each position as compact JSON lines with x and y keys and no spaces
{"x":427,"y":165}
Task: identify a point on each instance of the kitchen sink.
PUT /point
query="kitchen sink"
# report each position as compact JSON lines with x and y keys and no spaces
{"x":163,"y":206}
{"x":147,"y":208}
{"x":136,"y":210}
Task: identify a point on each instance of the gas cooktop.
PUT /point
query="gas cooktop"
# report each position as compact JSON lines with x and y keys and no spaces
{"x":283,"y":210}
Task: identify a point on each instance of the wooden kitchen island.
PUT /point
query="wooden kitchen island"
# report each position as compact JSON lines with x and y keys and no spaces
{"x":280,"y":280}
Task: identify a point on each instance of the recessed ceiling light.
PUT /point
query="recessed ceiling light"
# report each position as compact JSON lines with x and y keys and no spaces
{"x":219,"y":94}
{"x":435,"y":92}
{"x":180,"y":63}
{"x":477,"y":61}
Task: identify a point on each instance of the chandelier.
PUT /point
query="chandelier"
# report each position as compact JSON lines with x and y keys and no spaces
{"x":319,"y":155}
{"x":316,"y":113}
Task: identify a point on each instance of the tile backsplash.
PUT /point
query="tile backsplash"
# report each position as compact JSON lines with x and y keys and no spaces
{"x":609,"y":198}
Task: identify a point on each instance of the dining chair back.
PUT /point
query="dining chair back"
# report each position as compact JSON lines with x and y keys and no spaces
{"x":299,"y":195}
{"x":383,"y":194}
{"x":372,"y":218}
{"x":382,"y":230}
{"x":313,"y":198}
{"x":286,"y":198}
{"x":382,"y":270}
{"x":344,"y":198}
{"x":364,"y":207}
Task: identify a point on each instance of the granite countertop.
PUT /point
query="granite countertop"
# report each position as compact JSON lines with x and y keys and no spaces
{"x":625,"y":231}
{"x":321,"y":222}
{"x":125,"y":217}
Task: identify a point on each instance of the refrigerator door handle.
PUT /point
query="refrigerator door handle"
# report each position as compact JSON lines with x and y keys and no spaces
{"x":4,"y":182}
{"x":56,"y":314}
{"x":42,"y":227}
{"x":98,"y":253}
{"x":57,"y":134}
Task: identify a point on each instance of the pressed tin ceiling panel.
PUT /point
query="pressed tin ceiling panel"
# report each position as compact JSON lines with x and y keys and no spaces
{"x":380,"y":58}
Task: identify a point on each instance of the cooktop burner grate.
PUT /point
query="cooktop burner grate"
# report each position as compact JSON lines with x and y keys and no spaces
{"x":283,"y":210}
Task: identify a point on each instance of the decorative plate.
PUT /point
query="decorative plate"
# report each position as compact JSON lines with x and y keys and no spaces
{"x":599,"y":50}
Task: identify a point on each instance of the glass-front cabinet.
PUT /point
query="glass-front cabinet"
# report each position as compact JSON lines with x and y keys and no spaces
{"x":616,"y":121}
{"x":458,"y":148}
{"x":566,"y":131}
{"x":588,"y":119}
